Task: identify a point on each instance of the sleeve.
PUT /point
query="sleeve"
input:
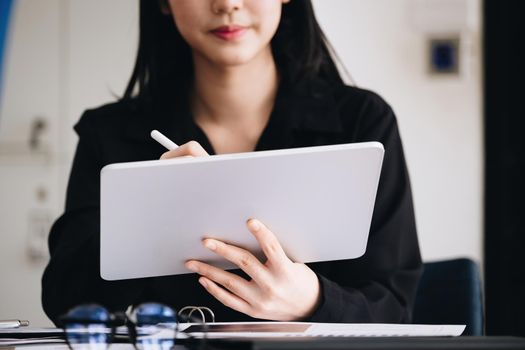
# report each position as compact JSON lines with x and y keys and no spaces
{"x":381,"y":285}
{"x":72,"y":276}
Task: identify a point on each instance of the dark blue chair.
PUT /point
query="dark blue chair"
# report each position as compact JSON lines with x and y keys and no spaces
{"x":450,"y":293}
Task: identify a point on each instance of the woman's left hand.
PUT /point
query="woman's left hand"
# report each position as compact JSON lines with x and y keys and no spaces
{"x":279,"y":289}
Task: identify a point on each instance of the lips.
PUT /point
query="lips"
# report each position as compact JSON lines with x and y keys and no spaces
{"x":231,"y":32}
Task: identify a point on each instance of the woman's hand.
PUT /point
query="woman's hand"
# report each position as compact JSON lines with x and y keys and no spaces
{"x":189,"y":149}
{"x":279,"y":289}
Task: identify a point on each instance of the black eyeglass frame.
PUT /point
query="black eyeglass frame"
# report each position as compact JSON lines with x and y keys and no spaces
{"x":120,"y":318}
{"x":116,"y":319}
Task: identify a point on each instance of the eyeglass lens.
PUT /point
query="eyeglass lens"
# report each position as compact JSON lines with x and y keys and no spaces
{"x":151,"y":326}
{"x":87,"y":327}
{"x":151,"y":318}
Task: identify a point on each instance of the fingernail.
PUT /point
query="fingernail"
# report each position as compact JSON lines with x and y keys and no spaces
{"x":254,"y":225}
{"x":203,"y":283}
{"x":210,"y":244}
{"x":193,"y":267}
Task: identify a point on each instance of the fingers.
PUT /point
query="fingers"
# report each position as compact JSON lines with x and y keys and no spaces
{"x":235,"y":284}
{"x":192,"y":149}
{"x":245,"y":260}
{"x":269,"y":243}
{"x":228,"y":299}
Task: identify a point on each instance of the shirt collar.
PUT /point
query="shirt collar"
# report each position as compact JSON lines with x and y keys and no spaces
{"x":309,"y":106}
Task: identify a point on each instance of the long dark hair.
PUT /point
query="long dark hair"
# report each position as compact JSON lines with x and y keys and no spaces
{"x":164,"y":59}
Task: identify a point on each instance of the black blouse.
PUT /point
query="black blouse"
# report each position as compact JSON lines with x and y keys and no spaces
{"x":378,"y":287}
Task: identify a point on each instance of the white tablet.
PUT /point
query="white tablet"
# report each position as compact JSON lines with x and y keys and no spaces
{"x":318,"y":201}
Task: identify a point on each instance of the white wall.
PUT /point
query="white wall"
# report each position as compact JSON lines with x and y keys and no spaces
{"x":32,"y":89}
{"x":102,"y":46}
{"x":68,"y":55}
{"x":384,"y":48}
{"x":64,"y":56}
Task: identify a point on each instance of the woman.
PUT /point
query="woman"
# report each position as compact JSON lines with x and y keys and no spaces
{"x":221,"y":76}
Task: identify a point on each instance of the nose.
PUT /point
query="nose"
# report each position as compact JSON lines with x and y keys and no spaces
{"x":226,"y":6}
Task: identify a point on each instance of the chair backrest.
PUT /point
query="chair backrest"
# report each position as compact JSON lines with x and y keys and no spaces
{"x":450,"y":293}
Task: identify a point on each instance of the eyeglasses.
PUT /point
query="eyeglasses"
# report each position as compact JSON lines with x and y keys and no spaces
{"x":93,"y":327}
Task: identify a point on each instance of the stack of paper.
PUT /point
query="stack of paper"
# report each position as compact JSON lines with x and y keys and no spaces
{"x":25,"y":336}
{"x":304,"y":329}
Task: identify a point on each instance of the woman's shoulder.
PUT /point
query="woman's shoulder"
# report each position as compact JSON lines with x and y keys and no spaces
{"x":110,"y":115}
{"x":119,"y":131}
{"x":348,"y":99}
{"x":364,"y":101}
{"x":362,"y":114}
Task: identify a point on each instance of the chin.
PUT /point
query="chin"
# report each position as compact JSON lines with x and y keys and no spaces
{"x":233,"y":57}
{"x":232,"y":61}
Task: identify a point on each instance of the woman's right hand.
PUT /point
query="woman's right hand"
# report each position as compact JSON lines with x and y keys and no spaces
{"x":189,"y":149}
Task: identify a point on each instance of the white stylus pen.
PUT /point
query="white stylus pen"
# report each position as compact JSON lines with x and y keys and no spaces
{"x":163,"y":140}
{"x":13,"y":323}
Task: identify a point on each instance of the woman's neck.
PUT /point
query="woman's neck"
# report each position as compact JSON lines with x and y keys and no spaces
{"x":235,"y":95}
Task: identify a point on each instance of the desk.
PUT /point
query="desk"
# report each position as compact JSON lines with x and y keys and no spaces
{"x":378,"y":343}
{"x":338,"y":343}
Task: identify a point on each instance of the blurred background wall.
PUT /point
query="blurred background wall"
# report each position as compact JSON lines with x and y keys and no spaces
{"x":63,"y":56}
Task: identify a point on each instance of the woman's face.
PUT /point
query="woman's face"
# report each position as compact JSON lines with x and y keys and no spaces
{"x":227,"y":32}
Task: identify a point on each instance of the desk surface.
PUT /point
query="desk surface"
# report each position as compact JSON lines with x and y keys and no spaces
{"x":338,"y":343}
{"x":378,"y":343}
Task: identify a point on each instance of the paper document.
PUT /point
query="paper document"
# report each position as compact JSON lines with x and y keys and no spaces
{"x":305,"y":329}
{"x":93,"y":346}
{"x":222,"y":330}
{"x":30,"y":330}
{"x":40,"y":336}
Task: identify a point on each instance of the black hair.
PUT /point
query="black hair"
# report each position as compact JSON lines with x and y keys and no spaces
{"x":164,"y":59}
